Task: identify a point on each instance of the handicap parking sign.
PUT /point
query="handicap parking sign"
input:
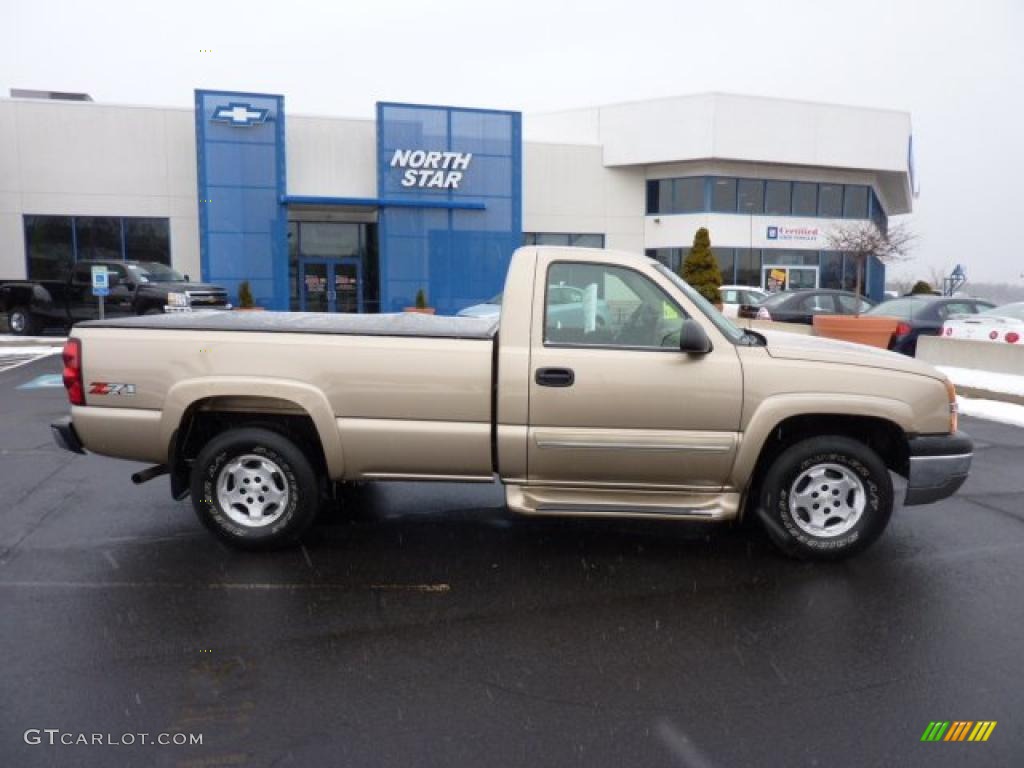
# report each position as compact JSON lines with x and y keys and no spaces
{"x":100,"y":281}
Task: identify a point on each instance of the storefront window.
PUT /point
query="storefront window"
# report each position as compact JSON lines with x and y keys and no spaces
{"x":726,"y":263}
{"x":777,"y":198}
{"x":579,"y":240}
{"x":748,"y":266}
{"x":147,"y":240}
{"x":49,"y":247}
{"x":98,"y":237}
{"x":54,"y":243}
{"x":831,"y":273}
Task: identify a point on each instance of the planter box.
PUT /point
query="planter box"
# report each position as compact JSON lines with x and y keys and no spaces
{"x":872,"y":331}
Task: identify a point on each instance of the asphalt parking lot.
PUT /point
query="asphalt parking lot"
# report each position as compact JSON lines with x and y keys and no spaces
{"x":433,"y":627}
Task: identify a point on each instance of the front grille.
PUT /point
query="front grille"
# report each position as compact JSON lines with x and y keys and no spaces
{"x":208,"y":298}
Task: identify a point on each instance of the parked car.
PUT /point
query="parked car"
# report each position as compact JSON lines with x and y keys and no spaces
{"x":923,"y":315}
{"x":1001,"y":324}
{"x":136,"y":288}
{"x":566,"y":302}
{"x":669,"y":412}
{"x":733,"y":296}
{"x":801,"y":306}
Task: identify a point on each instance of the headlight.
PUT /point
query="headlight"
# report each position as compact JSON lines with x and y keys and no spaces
{"x":177,"y":299}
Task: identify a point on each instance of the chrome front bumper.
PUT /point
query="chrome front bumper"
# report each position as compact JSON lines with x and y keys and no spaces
{"x":939,"y":464}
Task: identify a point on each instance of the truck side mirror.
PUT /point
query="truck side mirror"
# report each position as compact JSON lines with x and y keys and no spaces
{"x":692,"y":338}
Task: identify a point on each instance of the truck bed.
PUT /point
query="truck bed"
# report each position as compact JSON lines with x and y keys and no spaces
{"x":400,"y":324}
{"x":403,"y":395}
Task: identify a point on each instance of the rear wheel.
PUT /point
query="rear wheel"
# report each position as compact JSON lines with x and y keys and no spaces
{"x":22,"y":322}
{"x":826,"y":498}
{"x":254,"y":488}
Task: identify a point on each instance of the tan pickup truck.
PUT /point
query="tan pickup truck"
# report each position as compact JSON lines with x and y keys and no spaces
{"x":629,"y":396}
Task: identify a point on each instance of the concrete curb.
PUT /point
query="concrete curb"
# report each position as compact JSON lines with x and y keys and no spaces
{"x":987,"y":394}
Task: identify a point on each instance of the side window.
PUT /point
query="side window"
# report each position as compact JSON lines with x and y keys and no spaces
{"x":605,"y":305}
{"x":957,"y":308}
{"x":730,"y":297}
{"x":817,"y":302}
{"x":851,"y":305}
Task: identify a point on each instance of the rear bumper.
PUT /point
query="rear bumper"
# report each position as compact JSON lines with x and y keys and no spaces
{"x":939,"y":464}
{"x":64,"y":435}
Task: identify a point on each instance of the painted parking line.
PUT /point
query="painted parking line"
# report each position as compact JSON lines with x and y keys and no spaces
{"x":44,"y":382}
{"x":13,"y":357}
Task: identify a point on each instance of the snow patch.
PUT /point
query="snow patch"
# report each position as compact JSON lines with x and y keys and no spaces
{"x":1004,"y":413}
{"x":1007,"y":383}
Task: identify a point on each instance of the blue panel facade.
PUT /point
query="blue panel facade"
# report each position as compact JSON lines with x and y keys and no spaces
{"x":459,"y":257}
{"x":241,"y":176}
{"x":874,"y":283}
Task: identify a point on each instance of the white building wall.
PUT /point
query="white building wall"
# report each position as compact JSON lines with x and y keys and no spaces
{"x":566,"y":188}
{"x":81,"y":158}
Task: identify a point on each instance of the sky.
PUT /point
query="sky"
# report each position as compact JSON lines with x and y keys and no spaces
{"x":957,"y":67}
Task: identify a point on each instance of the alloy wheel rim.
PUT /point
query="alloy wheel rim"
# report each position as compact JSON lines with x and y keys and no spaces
{"x":17,"y":321}
{"x":827,"y":500}
{"x":252,"y":490}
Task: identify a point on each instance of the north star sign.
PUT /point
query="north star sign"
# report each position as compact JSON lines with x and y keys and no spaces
{"x":431,"y":170}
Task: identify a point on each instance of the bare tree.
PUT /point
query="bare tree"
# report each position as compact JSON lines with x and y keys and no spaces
{"x":863,"y":239}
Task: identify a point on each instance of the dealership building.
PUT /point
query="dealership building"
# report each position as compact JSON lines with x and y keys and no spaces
{"x":358,"y":215}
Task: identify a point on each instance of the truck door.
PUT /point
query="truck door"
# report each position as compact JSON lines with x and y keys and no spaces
{"x":613,"y":401}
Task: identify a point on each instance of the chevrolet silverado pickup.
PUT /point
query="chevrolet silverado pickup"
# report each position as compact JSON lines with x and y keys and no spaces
{"x":136,"y":288}
{"x":663,"y":410}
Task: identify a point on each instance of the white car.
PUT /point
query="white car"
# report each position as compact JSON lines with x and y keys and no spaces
{"x":734,"y":295}
{"x":1001,"y":324}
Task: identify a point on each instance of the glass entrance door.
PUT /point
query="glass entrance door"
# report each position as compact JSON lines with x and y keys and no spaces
{"x":331,"y":286}
{"x":788,"y":278}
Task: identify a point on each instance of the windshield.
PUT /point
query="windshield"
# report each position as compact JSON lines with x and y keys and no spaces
{"x":154,"y":272}
{"x":709,"y":309}
{"x":1016,"y":311}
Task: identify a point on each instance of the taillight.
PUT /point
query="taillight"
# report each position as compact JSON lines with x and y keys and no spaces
{"x":72,"y":357}
{"x":763,"y":314}
{"x":902,"y":329}
{"x":993,"y":335}
{"x":1012,"y":337}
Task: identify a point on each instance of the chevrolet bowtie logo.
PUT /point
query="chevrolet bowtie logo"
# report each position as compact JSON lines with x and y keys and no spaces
{"x":240,"y":114}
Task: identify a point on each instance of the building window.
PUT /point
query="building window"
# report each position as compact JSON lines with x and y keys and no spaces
{"x":878,"y":214}
{"x":805,"y":198}
{"x":790,"y":258}
{"x":670,"y":257}
{"x":830,"y":200}
{"x":684,"y":195}
{"x":49,"y":246}
{"x":831,"y":273}
{"x":98,"y":237}
{"x":726,"y":263}
{"x":54,"y":243}
{"x":855,"y":202}
{"x":748,"y":266}
{"x":578,"y":240}
{"x":750,"y":196}
{"x":777,"y":198}
{"x":147,"y":240}
{"x":723,"y":195}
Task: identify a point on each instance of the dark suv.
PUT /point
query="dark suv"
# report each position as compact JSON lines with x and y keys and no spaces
{"x":136,"y":288}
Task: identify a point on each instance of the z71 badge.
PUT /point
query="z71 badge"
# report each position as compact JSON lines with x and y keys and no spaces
{"x":106,"y":388}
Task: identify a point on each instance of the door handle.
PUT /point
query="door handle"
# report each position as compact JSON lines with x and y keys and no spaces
{"x":555,"y":377}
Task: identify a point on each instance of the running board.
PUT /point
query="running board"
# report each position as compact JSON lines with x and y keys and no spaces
{"x":707,"y":506}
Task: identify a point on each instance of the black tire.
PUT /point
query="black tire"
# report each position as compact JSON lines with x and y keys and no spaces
{"x":790,"y":525}
{"x":22,"y":322}
{"x":289,"y":470}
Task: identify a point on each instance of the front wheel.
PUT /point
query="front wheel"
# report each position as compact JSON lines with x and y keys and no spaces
{"x":254,"y":488}
{"x":826,"y":498}
{"x":22,"y":322}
